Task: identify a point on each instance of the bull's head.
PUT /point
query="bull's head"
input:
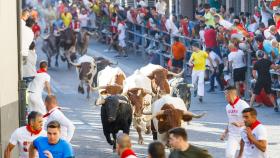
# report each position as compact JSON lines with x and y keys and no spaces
{"x":111,"y":107}
{"x":169,"y":118}
{"x":136,"y":97}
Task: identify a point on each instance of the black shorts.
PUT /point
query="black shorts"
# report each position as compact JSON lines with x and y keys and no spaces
{"x":177,"y":63}
{"x":239,"y":74}
{"x":262,"y":85}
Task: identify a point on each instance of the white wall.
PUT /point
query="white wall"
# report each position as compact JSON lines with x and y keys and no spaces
{"x":8,"y":52}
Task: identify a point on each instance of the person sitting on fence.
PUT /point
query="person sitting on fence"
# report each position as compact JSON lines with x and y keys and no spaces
{"x":178,"y":53}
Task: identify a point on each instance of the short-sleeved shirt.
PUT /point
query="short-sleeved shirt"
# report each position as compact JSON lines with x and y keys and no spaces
{"x":191,"y":152}
{"x":210,"y":19}
{"x":38,"y":84}
{"x":199,"y":60}
{"x":121,"y":29}
{"x":234,"y":114}
{"x":210,"y":36}
{"x":250,"y":149}
{"x":23,"y":138}
{"x":60,"y":150}
{"x":262,"y":67}
{"x":178,"y":51}
{"x":237,"y":59}
{"x":215,"y":57}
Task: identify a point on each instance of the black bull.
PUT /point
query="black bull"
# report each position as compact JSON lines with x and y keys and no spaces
{"x":116,"y":114}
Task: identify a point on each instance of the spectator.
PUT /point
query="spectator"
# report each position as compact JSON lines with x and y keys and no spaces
{"x":161,"y":7}
{"x":234,"y":110}
{"x":121,"y":37}
{"x":29,"y":66}
{"x":270,"y":32}
{"x":210,"y":36}
{"x":36,"y":87}
{"x":236,"y":60}
{"x":156,"y":150}
{"x":265,"y":14}
{"x":271,"y":49}
{"x":171,"y":27}
{"x":218,"y":66}
{"x":27,"y":35}
{"x":178,"y":140}
{"x":208,"y":17}
{"x":66,"y":17}
{"x":124,"y":146}
{"x":261,"y":73}
{"x":198,"y":61}
{"x":178,"y":53}
{"x":226,"y":24}
{"x":254,"y":141}
{"x":55,"y":114}
{"x":83,"y":18}
{"x":51,"y":146}
{"x":25,"y":135}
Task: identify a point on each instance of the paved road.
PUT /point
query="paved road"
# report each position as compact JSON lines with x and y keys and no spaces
{"x":89,"y":141}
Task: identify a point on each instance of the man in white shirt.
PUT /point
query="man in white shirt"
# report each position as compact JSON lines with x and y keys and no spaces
{"x":161,"y":7}
{"x":254,"y":136}
{"x":27,"y":35}
{"x":29,"y":66}
{"x":237,"y":64}
{"x":83,"y":18}
{"x":171,"y":27}
{"x":218,"y":66}
{"x":121,"y":37}
{"x":55,"y":114}
{"x":36,"y":87}
{"x":270,"y":32}
{"x":235,"y":121}
{"x":24,"y":136}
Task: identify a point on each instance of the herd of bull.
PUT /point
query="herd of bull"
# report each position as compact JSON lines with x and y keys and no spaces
{"x":152,"y":98}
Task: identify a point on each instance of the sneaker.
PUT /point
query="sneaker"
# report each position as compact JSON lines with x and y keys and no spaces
{"x":200,"y":99}
{"x":195,"y":93}
{"x":276,"y":109}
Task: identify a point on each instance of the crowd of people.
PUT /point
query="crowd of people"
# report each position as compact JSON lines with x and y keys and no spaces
{"x":229,"y":44}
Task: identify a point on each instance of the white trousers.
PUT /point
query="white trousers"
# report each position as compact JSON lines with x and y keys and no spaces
{"x":232,"y":146}
{"x":36,"y":103}
{"x":198,"y":81}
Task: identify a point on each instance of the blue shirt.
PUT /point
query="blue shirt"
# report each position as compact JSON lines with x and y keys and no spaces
{"x":60,"y":150}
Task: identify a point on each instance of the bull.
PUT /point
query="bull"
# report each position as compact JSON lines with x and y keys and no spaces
{"x":50,"y":47}
{"x":116,"y":114}
{"x":86,"y":69}
{"x":137,"y":88}
{"x":170,"y":112}
{"x":83,"y":38}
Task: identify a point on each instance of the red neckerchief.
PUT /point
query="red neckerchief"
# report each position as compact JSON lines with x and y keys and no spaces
{"x":41,"y":71}
{"x":255,"y":124}
{"x":127,"y":153}
{"x":234,"y":102}
{"x":51,"y":111}
{"x":32,"y":131}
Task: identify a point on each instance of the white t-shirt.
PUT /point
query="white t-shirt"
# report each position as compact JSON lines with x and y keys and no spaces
{"x":83,"y":19}
{"x":67,"y":127}
{"x":235,"y":115}
{"x":121,"y":29}
{"x":38,"y":84}
{"x":225,"y":23}
{"x":129,"y":16}
{"x":250,"y":150}
{"x":237,"y":59}
{"x":215,"y":57}
{"x":29,"y":69}
{"x":23,"y":138}
{"x":265,"y":17}
{"x":268,"y":34}
{"x":27,"y":36}
{"x":171,"y":26}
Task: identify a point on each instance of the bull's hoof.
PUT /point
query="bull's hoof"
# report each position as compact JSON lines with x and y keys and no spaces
{"x":81,"y":90}
{"x":148,"y":131}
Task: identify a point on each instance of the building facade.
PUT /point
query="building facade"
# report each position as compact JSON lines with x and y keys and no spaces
{"x":9,"y":113}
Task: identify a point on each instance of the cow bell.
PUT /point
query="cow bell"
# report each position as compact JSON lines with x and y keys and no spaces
{"x":100,"y":100}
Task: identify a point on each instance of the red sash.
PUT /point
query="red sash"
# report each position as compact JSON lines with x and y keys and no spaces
{"x":234,"y":102}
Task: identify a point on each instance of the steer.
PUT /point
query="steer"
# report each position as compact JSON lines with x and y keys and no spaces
{"x":170,"y":112}
{"x":181,"y":89}
{"x":116,"y":114}
{"x":137,"y":88}
{"x":158,"y":76}
{"x":110,"y":82}
{"x":86,"y":69}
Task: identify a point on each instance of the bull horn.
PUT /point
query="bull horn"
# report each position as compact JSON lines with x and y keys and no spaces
{"x":122,"y":101}
{"x":74,"y":64}
{"x":100,"y":101}
{"x":197,"y":116}
{"x":176,"y":75}
{"x":97,"y":88}
{"x":147,"y":113}
{"x":114,"y":64}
